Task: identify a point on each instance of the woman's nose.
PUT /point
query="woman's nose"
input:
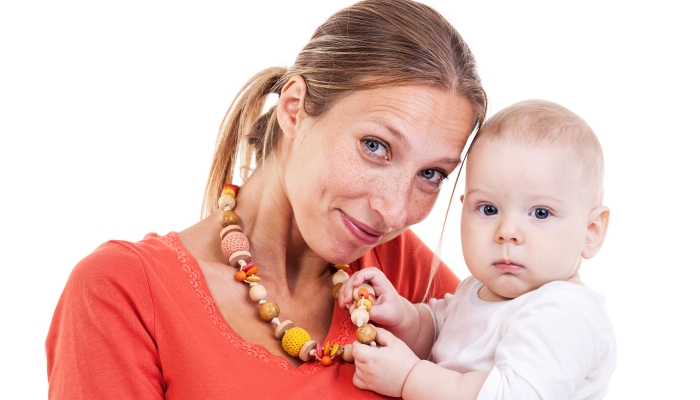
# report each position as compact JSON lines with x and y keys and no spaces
{"x":392,"y":203}
{"x":508,"y":231}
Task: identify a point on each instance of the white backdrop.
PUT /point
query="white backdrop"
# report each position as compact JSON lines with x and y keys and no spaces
{"x":109,"y":111}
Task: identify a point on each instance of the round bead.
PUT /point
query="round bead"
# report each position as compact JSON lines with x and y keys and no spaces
{"x":360,"y":314}
{"x":237,"y":256}
{"x":326,"y":361}
{"x":226,"y":200}
{"x":293,"y":340}
{"x":363,"y":293}
{"x":364,"y":302}
{"x":257,"y":293}
{"x":240,"y":276}
{"x":366,"y":334}
{"x":233,"y":242}
{"x":227,"y":218}
{"x":336,"y":288}
{"x":347,"y":353}
{"x":305,"y":351}
{"x":269,"y":310}
{"x":340,"y":277}
{"x":283,"y":327}
{"x":367,"y":286}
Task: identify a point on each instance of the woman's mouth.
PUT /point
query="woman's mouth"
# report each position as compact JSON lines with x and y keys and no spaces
{"x":360,"y":231}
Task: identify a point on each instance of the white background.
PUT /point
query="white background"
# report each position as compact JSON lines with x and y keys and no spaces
{"x":109,"y":111}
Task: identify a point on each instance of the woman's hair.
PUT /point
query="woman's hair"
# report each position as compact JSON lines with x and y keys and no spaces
{"x":371,"y":44}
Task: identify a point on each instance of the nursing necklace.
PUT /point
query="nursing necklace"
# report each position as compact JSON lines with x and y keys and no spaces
{"x":295,"y":341}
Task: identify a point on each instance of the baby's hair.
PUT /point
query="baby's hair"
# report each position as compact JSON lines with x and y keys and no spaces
{"x":540,"y":122}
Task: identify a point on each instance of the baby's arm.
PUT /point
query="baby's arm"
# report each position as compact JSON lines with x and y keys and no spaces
{"x":393,"y":370}
{"x":410,"y":323}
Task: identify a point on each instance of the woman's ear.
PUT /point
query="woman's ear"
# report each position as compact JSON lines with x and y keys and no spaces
{"x":597,"y":228}
{"x":290,"y":107}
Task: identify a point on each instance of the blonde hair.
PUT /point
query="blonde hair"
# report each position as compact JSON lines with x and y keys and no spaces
{"x":540,"y":122}
{"x":371,"y":44}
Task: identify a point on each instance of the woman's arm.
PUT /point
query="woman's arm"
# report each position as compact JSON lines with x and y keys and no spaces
{"x":101,"y":343}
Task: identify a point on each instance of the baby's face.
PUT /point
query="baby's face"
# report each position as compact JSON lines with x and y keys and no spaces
{"x":524,"y":219}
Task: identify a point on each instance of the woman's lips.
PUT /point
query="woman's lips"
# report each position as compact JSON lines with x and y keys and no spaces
{"x":507,"y":266}
{"x":360,"y":231}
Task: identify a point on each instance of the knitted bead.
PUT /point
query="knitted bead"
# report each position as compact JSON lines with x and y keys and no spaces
{"x":293,"y":340}
{"x":226,"y":200}
{"x":227,"y":218}
{"x":340,"y":277}
{"x":233,"y":242}
{"x":269,"y":310}
{"x":257,"y":293}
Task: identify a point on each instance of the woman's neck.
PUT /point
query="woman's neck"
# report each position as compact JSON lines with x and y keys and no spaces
{"x":267,"y":219}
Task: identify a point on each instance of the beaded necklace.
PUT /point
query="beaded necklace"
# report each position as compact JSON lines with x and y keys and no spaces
{"x":295,"y":341}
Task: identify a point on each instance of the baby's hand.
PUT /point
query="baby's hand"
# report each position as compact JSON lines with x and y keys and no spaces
{"x":388,"y":308}
{"x":383,"y":369}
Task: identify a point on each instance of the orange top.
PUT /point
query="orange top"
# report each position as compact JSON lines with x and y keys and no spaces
{"x":137,"y":321}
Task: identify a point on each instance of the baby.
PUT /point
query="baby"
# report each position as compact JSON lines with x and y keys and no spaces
{"x":523,"y":326}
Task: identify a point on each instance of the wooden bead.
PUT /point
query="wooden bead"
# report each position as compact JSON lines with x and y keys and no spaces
{"x":326,"y":361}
{"x":336,"y":288}
{"x":226,"y":200}
{"x":341,"y":266}
{"x":229,"y":192}
{"x":283,"y":327}
{"x":327,"y":349}
{"x":363,"y":292}
{"x":366,"y":334}
{"x":240,"y":276}
{"x":231,"y":189}
{"x":304,"y":353}
{"x":359,"y":314}
{"x":227,"y":218}
{"x":234,"y":242}
{"x":237,"y":256}
{"x":229,"y":229}
{"x":340,"y":277}
{"x":293,"y":340}
{"x":347,"y":353}
{"x":367,"y":286}
{"x":334,"y":349}
{"x":257,"y":293}
{"x":269,"y":310}
{"x":251,"y":271}
{"x":252,"y":278}
{"x":366,"y":303}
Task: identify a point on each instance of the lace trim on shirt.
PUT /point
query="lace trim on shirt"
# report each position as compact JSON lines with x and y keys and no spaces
{"x":346,"y":325}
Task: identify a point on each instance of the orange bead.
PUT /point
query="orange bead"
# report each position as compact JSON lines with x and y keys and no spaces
{"x":251,"y":271}
{"x":326,"y":348}
{"x":240,"y":276}
{"x":363,"y":292}
{"x":227,"y":218}
{"x":326,"y":361}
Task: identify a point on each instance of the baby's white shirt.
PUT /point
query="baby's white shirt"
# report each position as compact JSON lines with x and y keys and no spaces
{"x":556,"y":342}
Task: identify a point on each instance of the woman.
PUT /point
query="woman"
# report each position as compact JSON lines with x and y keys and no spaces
{"x":371,"y":118}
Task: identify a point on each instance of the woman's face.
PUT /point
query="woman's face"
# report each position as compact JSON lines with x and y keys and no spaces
{"x":372,"y":166}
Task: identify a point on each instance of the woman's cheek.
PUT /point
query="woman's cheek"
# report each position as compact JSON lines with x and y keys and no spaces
{"x":420,"y":206}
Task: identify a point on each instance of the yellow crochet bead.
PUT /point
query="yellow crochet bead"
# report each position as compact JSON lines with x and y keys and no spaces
{"x":293,"y":339}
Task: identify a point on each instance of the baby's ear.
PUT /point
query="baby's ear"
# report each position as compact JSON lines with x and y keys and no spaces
{"x":597,"y":228}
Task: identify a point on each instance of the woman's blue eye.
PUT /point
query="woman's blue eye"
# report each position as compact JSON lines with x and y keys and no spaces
{"x":375,"y":147}
{"x":488,"y":209}
{"x":433,"y":176}
{"x":540,"y":213}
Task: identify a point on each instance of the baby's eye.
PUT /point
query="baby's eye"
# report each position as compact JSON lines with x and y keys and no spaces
{"x":434,"y":176}
{"x":376,"y":147}
{"x":488,"y":209}
{"x":540,"y":213}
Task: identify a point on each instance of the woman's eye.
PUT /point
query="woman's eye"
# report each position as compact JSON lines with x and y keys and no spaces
{"x":376,"y":147}
{"x":540,"y":213}
{"x":488,"y":209}
{"x":433,"y":176}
